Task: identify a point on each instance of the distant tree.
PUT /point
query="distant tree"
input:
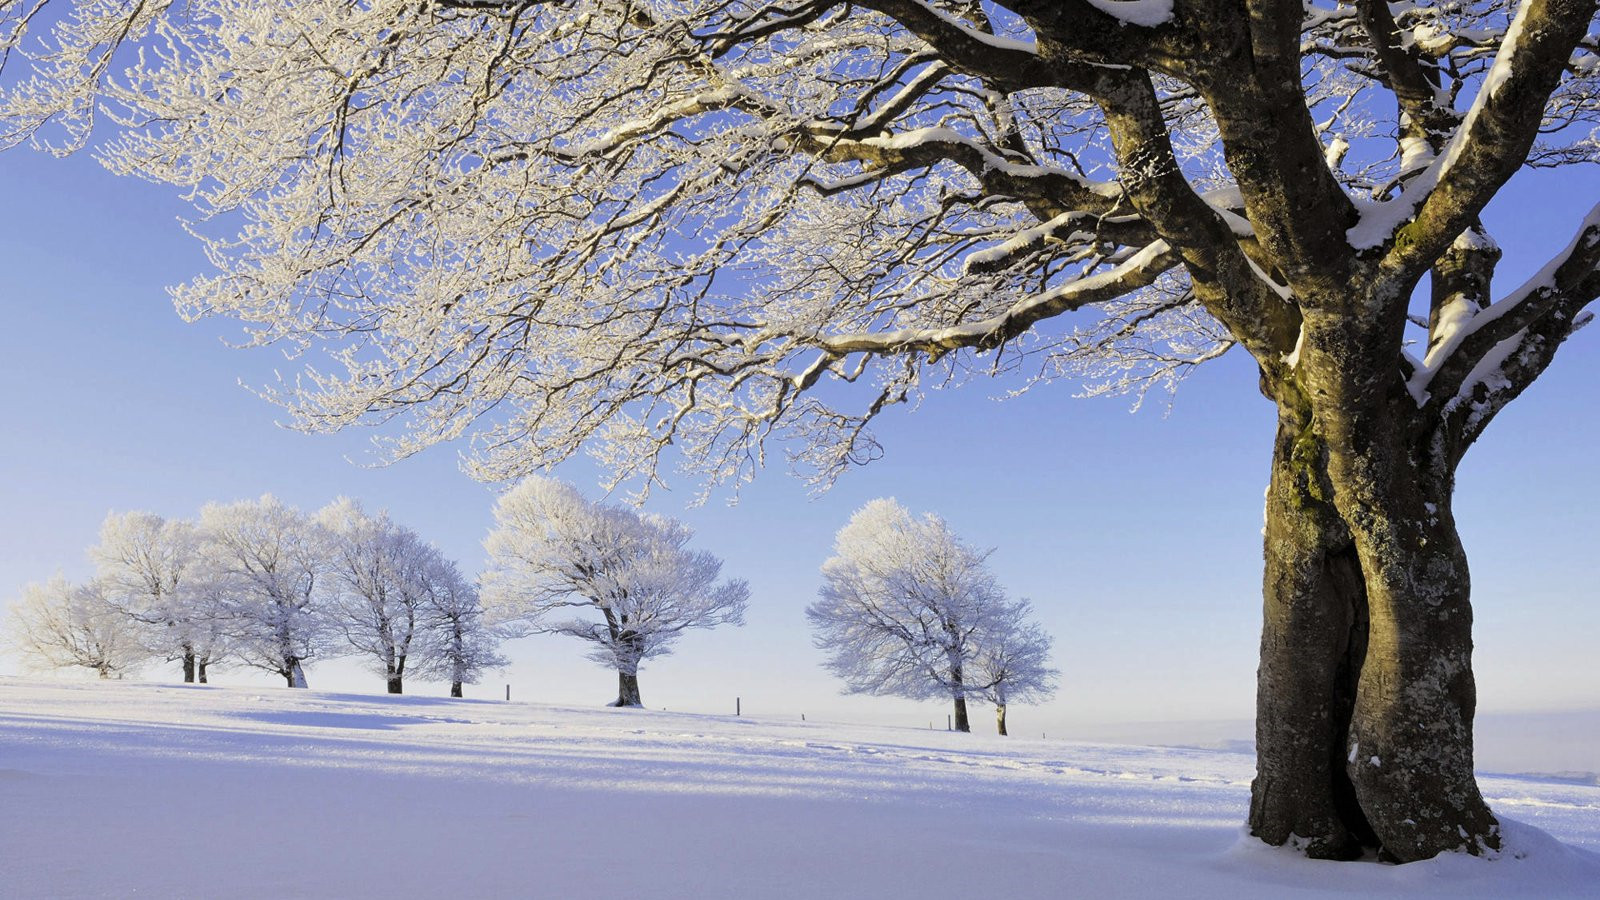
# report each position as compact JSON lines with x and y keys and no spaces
{"x":551,"y":549}
{"x":902,"y":606}
{"x":60,"y":625}
{"x":1013,"y":660}
{"x":264,"y":565}
{"x":464,"y":644}
{"x":143,"y":561}
{"x":378,"y":572}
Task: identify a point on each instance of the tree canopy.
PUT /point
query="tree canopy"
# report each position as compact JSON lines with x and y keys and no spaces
{"x":638,"y":225}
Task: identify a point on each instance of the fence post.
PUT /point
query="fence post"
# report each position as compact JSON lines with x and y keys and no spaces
{"x":738,"y":706}
{"x":508,"y":693}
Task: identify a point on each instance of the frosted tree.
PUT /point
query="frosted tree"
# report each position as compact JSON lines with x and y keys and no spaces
{"x":265,"y":565}
{"x":552,"y":550}
{"x":902,"y":606}
{"x":143,"y":562}
{"x":1013,"y":660}
{"x":59,"y":625}
{"x":712,"y":226}
{"x":378,"y":573}
{"x":465,"y":644}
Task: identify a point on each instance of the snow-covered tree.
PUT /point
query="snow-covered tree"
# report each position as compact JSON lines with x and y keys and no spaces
{"x":693,"y":224}
{"x":902,"y":604}
{"x":265,"y":566}
{"x":1013,"y":660}
{"x":552,"y":550}
{"x":143,"y":562}
{"x":464,"y":644}
{"x":60,"y":625}
{"x":378,"y":591}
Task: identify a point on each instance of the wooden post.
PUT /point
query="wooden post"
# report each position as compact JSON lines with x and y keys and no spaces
{"x":737,"y":710}
{"x":508,"y":693}
{"x":949,"y":725}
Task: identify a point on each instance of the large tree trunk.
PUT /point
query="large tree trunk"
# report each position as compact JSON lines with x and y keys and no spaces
{"x":394,"y":684}
{"x":1313,"y":640}
{"x":295,"y":675}
{"x":1410,"y":755}
{"x":631,"y":643}
{"x":627,"y":691}
{"x":455,"y":689}
{"x":961,"y":714}
{"x":188,"y":666}
{"x":1365,"y":692}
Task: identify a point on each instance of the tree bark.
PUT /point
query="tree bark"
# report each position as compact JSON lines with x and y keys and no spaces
{"x":394,"y":684}
{"x":295,"y":675}
{"x":633,"y":646}
{"x":188,"y":666}
{"x":200,"y":669}
{"x":1365,"y":691}
{"x":1313,"y":641}
{"x":961,"y":714}
{"x":1000,"y":718}
{"x":455,"y":689}
{"x":1411,"y":746}
{"x":627,"y":691}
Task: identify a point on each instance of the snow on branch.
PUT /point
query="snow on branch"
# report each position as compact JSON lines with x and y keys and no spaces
{"x":1480,"y":361}
{"x":685,"y":233}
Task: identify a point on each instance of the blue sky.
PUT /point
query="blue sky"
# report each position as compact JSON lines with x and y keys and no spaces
{"x":1136,"y":535}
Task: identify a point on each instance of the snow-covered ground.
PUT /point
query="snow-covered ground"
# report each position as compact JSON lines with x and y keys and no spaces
{"x":134,"y":790}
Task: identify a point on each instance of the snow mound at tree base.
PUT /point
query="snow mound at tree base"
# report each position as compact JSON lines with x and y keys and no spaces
{"x":1531,"y":863}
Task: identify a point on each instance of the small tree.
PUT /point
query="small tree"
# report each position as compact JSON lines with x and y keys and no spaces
{"x":263,"y":564}
{"x":551,"y":550}
{"x":1013,"y":661}
{"x":143,"y":562}
{"x":464,"y":645}
{"x":379,"y":571}
{"x":902,"y":604}
{"x":59,"y":625}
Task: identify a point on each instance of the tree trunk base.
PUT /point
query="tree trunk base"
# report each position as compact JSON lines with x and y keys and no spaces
{"x":627,"y":692}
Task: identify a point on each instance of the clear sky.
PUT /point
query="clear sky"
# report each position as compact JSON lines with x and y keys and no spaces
{"x":1137,"y":536}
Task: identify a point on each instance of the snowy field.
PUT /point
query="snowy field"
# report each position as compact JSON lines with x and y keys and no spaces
{"x":142,"y":790}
